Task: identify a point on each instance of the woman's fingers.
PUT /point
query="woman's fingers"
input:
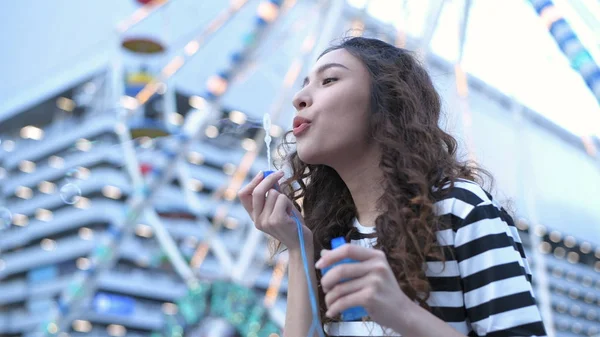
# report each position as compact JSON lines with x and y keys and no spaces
{"x":281,"y":210}
{"x":260,"y":191}
{"x":270,"y":201}
{"x":343,"y":272}
{"x":343,"y":289}
{"x":353,"y":299}
{"x":245,"y":194}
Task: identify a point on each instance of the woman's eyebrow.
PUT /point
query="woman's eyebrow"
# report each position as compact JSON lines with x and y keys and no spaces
{"x":323,"y":68}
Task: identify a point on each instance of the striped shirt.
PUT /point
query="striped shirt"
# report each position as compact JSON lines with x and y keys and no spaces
{"x":485,"y":288}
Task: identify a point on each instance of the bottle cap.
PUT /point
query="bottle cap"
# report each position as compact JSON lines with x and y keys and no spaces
{"x":267,"y":173}
{"x":337,"y":242}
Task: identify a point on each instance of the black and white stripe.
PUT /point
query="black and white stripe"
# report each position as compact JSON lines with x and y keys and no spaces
{"x":484,"y":287}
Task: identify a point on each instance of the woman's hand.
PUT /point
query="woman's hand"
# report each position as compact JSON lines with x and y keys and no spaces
{"x":371,"y":284}
{"x":271,"y":210}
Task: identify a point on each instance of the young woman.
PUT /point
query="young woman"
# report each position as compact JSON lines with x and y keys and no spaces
{"x":436,"y":255}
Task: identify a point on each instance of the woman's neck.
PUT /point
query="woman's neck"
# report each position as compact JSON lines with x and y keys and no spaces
{"x":364,"y":180}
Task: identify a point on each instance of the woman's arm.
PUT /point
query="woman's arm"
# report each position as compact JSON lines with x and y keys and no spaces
{"x":414,"y":321}
{"x":298,"y":317}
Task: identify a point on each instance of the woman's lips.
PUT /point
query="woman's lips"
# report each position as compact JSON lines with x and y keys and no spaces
{"x":300,"y":129}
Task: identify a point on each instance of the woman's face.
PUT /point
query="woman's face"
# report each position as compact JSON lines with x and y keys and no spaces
{"x":331,"y":125}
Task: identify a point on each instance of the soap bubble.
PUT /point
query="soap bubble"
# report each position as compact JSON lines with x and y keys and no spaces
{"x":70,"y":193}
{"x":5,"y":218}
{"x":226,"y":126}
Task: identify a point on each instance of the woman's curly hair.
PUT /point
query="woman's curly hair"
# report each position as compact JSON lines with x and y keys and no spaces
{"x":418,"y":158}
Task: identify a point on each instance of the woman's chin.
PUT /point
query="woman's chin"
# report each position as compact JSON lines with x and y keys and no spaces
{"x":309,"y":157}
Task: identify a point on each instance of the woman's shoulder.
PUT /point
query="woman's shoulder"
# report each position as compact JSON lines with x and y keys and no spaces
{"x":461,"y":197}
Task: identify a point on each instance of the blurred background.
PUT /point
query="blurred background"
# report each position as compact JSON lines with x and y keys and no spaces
{"x":127,"y":127}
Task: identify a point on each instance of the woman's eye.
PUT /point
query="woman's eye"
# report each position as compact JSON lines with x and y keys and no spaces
{"x":329,"y":80}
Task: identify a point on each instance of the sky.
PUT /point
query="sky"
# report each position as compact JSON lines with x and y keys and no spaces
{"x":508,"y":47}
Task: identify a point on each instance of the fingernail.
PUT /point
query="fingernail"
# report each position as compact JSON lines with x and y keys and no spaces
{"x":319,"y":263}
{"x":324,"y":251}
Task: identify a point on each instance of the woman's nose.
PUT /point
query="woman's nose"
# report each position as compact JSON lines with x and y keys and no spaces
{"x":302,"y":100}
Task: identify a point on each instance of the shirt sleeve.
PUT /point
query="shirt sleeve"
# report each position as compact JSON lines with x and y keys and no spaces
{"x":495,"y":275}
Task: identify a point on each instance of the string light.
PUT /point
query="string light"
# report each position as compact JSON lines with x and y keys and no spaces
{"x":522,"y":225}
{"x":56,"y":162}
{"x":540,"y":230}
{"x":83,"y":203}
{"x":129,"y":103}
{"x":589,"y":298}
{"x":195,"y":158}
{"x":238,"y":117}
{"x":211,"y":131}
{"x":116,"y":330}
{"x":111,"y":192}
{"x":32,"y":132}
{"x":573,"y":293}
{"x":47,"y":187}
{"x":231,"y":223}
{"x":48,"y":244}
{"x":24,"y":192}
{"x":20,"y":220}
{"x":43,"y":214}
{"x":86,"y":233}
{"x":216,"y":85}
{"x":52,"y":328}
{"x":585,"y":247}
{"x":268,"y":11}
{"x":230,"y":194}
{"x":83,"y":145}
{"x":27,"y":166}
{"x":570,"y":241}
{"x":175,"y":118}
{"x":196,"y":185}
{"x":559,"y":252}
{"x":191,"y":48}
{"x":545,"y":247}
{"x":276,"y":131}
{"x":249,"y":144}
{"x":83,"y":263}
{"x":65,"y":104}
{"x":229,"y":168}
{"x":8,"y":145}
{"x":169,"y":308}
{"x":83,"y":173}
{"x":197,"y":102}
{"x":82,"y":326}
{"x":573,"y":257}
{"x":144,"y":231}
